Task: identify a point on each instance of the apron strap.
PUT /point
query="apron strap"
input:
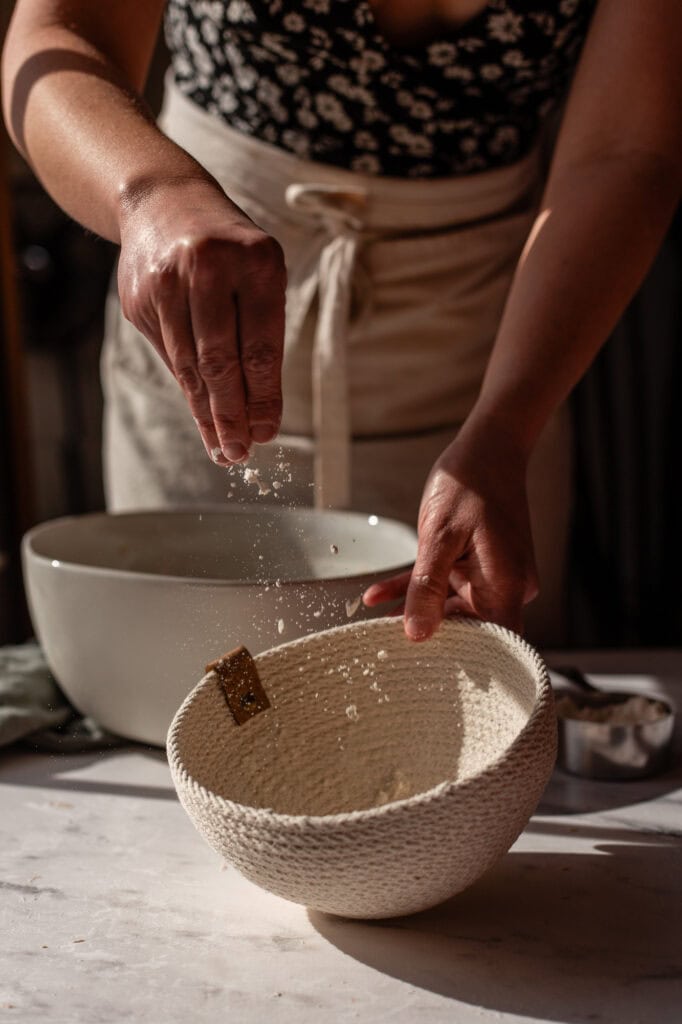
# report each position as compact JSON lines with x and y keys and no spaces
{"x":338,"y":212}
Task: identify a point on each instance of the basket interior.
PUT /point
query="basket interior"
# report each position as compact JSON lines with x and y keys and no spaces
{"x":362,"y":717}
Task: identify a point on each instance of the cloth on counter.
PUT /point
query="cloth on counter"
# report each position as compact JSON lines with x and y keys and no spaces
{"x":33,"y":709}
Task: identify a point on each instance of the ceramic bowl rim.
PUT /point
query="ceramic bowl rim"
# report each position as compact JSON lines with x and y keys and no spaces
{"x":79,"y":568}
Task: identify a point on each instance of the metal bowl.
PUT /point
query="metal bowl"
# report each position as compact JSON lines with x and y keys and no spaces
{"x":633,"y":748}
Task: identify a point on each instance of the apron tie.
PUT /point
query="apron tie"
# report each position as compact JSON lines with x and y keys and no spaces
{"x":329,"y":274}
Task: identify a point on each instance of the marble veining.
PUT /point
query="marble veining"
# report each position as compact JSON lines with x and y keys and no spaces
{"x":113,"y":909}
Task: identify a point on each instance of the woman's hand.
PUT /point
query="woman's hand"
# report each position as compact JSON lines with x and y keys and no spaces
{"x":202,"y":282}
{"x":475,"y":553}
{"x":206,"y":287}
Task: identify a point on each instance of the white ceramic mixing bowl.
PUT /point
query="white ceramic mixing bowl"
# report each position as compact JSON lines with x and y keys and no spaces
{"x":129,"y":608}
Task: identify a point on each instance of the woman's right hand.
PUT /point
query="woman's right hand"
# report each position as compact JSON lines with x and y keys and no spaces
{"x":206,"y":287}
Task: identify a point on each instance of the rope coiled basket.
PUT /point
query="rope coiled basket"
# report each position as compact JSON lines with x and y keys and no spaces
{"x":384,"y":777}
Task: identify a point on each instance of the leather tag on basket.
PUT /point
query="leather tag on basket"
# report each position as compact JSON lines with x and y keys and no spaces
{"x":239,"y":680}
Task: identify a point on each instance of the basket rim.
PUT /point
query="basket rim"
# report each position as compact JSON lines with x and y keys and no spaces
{"x":183,"y":780}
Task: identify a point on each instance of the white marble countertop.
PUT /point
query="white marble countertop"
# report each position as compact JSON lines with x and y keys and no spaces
{"x":113,"y":909}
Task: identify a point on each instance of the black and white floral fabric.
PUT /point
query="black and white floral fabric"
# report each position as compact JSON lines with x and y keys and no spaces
{"x":318,"y":78}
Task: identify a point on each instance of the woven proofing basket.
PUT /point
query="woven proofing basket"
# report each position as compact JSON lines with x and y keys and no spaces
{"x":386,"y":775}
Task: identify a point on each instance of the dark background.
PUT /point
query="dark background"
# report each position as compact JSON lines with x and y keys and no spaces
{"x":625,"y":585}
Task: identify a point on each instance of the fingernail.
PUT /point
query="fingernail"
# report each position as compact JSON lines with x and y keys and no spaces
{"x":218,"y":457}
{"x":262,"y":432}
{"x":235,"y":452}
{"x":417,"y":627}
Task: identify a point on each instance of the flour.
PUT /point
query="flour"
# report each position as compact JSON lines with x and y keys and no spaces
{"x":252,"y":476}
{"x":395,"y":787}
{"x":352,"y":713}
{"x":382,"y":655}
{"x":280,"y":626}
{"x":352,"y":607}
{"x":633,"y":711}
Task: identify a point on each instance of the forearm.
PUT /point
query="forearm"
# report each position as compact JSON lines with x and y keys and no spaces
{"x":598,"y":231}
{"x":75,"y":112}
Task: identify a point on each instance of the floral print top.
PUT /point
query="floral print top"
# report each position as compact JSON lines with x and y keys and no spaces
{"x":319,"y":78}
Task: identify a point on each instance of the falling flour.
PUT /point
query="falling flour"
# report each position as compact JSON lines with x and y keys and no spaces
{"x":352,"y":713}
{"x":382,"y":655}
{"x":252,"y":476}
{"x":280,"y":626}
{"x":352,"y":606}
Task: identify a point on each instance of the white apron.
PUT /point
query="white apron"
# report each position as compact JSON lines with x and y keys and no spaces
{"x":395,"y":292}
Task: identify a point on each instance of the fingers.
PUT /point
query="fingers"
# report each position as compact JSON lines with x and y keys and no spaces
{"x":429,"y":584}
{"x":179,"y":353}
{"x":216,"y":317}
{"x":497,"y":587}
{"x":206,"y":286}
{"x":214,"y":326}
{"x":261,"y":339}
{"x":457,"y":605}
{"x":387,"y":590}
{"x":454,"y":575}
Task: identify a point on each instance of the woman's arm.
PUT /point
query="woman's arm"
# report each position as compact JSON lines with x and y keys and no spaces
{"x":614,"y":184}
{"x":196,"y":276}
{"x":72,"y":78}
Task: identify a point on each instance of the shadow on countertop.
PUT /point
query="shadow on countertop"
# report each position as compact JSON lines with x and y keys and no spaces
{"x":568,"y":794}
{"x":21,"y":767}
{"x":570,"y":937}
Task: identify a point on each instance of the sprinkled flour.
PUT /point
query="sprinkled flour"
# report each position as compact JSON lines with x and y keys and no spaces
{"x":252,"y":476}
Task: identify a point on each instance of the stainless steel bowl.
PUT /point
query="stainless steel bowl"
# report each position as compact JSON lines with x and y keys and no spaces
{"x":631,"y":749}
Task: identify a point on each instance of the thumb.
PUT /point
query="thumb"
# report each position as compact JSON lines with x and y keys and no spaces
{"x":429,"y":584}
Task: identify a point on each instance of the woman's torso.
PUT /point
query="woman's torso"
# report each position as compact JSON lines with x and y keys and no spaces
{"x":322,"y":79}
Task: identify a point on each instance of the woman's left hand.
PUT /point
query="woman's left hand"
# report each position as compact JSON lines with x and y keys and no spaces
{"x":475,"y":552}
